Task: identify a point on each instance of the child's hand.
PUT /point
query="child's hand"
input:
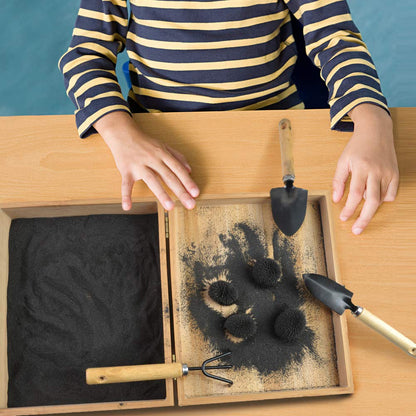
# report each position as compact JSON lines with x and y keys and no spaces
{"x":138,"y":156}
{"x":370,"y":158}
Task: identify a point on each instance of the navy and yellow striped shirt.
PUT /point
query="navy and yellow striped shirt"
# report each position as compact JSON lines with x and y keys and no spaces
{"x":202,"y":55}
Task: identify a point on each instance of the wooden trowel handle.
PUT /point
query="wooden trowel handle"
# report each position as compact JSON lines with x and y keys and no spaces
{"x":286,"y":150}
{"x":126,"y":374}
{"x":387,"y":331}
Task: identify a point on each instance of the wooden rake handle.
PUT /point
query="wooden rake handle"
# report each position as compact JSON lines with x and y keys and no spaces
{"x":126,"y":374}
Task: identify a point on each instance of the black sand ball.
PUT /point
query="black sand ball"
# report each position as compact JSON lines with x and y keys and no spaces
{"x":266,"y":273}
{"x":241,"y":325}
{"x":222,"y":292}
{"x":289,"y":324}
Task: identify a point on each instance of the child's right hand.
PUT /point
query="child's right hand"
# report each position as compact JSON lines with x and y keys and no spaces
{"x":139,"y":156}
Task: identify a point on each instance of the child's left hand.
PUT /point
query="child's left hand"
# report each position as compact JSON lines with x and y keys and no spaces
{"x":371,"y":160}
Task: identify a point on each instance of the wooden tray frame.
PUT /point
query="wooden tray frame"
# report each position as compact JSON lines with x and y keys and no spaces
{"x":339,"y":322}
{"x":167,"y":229}
{"x":6,"y":216}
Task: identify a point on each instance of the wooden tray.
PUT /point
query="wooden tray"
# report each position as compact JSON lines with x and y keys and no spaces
{"x":194,"y":243}
{"x":6,"y":215}
{"x":193,"y":236}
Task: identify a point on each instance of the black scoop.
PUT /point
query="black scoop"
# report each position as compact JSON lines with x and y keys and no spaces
{"x":329,"y":292}
{"x":338,"y":298}
{"x":289,"y":208}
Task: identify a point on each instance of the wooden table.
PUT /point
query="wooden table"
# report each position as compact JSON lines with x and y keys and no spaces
{"x":43,"y":162}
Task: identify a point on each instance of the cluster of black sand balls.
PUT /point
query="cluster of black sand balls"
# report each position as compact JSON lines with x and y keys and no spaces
{"x":266,"y":273}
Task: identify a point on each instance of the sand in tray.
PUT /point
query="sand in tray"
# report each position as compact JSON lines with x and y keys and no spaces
{"x":220,"y":242}
{"x":82,"y":292}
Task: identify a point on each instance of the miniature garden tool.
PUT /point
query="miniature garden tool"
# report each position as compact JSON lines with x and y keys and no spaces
{"x":338,"y":298}
{"x":288,"y":203}
{"x":126,"y":374}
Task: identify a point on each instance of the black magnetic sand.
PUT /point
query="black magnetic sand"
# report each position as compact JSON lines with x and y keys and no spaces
{"x":266,"y":273}
{"x":289,"y":324}
{"x":241,"y":325}
{"x":83,"y":292}
{"x":264,"y":351}
{"x":222,"y":292}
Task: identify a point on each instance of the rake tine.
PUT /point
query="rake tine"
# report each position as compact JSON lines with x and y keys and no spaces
{"x":209,"y":360}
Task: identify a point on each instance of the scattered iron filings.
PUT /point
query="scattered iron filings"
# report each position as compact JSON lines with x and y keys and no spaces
{"x":266,"y":273}
{"x":222,"y":292}
{"x":289,"y":324}
{"x":264,"y":351}
{"x":241,"y":325}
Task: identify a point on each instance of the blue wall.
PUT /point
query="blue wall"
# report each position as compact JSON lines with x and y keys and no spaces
{"x":389,"y":30}
{"x":35,"y":33}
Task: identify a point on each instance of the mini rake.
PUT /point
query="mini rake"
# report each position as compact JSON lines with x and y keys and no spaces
{"x":126,"y":374}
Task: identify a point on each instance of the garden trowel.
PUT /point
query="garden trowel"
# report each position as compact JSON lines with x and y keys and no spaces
{"x":338,"y":298}
{"x":288,"y":203}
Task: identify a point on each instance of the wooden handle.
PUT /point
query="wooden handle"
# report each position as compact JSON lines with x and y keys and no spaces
{"x":286,"y":149}
{"x":107,"y":375}
{"x":387,"y":331}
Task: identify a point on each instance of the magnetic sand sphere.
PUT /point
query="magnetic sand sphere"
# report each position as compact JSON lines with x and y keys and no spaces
{"x":266,"y":273}
{"x":222,"y":292}
{"x":289,"y":324}
{"x":241,"y":325}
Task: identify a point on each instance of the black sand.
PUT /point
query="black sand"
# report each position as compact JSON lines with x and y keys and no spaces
{"x":266,"y":273}
{"x":264,"y":351}
{"x":83,"y":292}
{"x":241,"y":325}
{"x":289,"y":324}
{"x":223,"y":293}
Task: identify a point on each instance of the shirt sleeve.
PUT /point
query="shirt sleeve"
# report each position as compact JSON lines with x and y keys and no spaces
{"x":335,"y":46}
{"x":88,"y":66}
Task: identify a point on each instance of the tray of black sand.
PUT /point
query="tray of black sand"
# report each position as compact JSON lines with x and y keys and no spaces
{"x":84,"y":287}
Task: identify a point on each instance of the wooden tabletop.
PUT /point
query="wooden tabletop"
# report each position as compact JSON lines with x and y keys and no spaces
{"x":43,"y":162}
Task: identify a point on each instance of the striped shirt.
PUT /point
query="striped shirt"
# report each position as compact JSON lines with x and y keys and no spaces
{"x":203,"y":55}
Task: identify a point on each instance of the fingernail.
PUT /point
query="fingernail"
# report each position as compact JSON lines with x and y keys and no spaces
{"x":343,"y":217}
{"x":357,"y":230}
{"x":125,"y":206}
{"x":169,"y":205}
{"x":190,"y":203}
{"x":194,"y":192}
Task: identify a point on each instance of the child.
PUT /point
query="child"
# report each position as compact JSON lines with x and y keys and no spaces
{"x":221,"y":55}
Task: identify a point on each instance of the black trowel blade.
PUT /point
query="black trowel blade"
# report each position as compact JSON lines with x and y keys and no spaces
{"x":329,"y":292}
{"x":289,"y":208}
